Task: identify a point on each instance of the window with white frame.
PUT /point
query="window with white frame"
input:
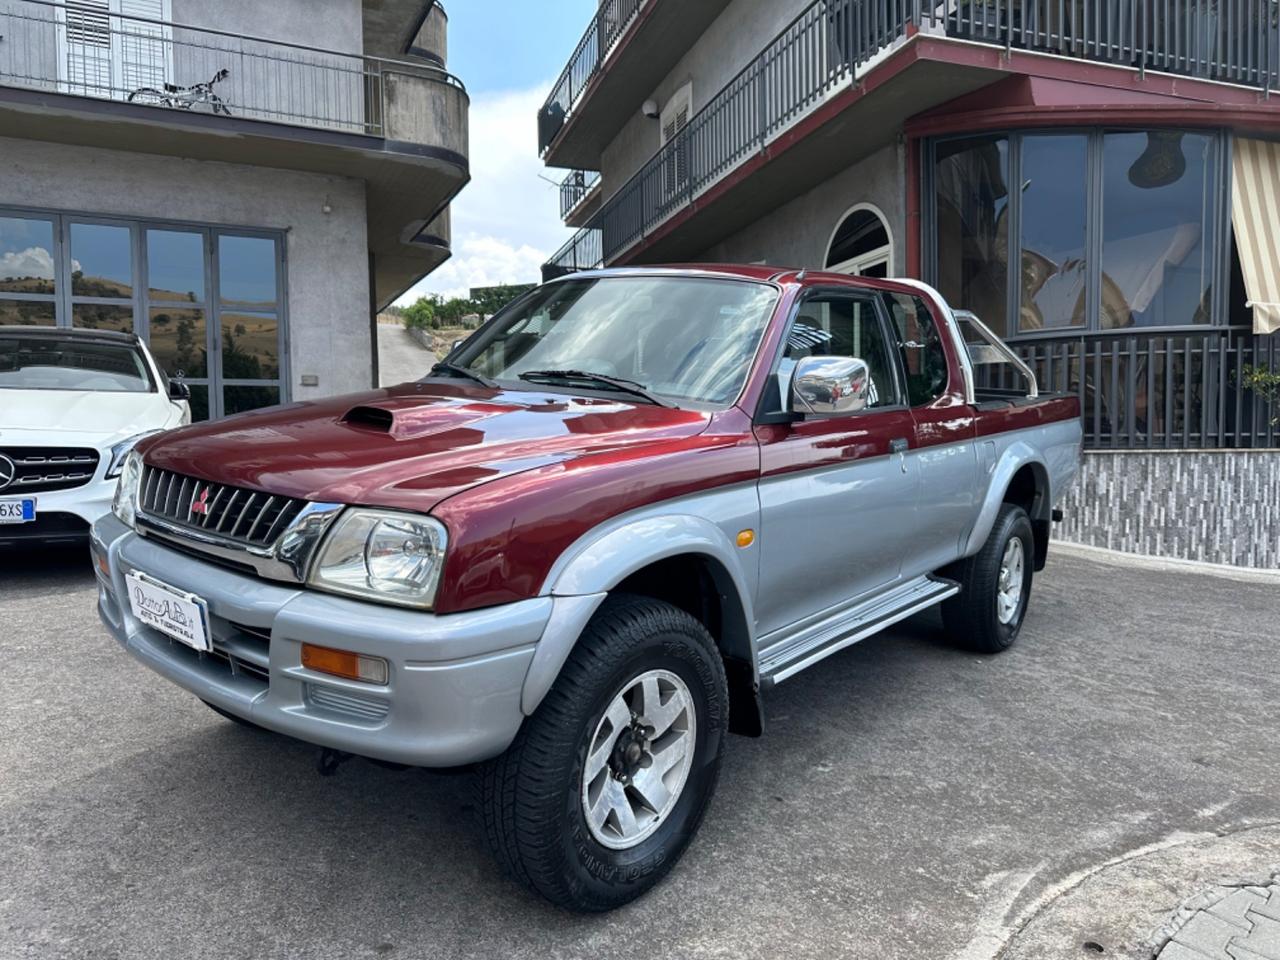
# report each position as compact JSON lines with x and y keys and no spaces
{"x":112,"y":48}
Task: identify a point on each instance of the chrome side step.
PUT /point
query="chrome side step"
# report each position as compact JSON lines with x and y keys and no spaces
{"x":844,"y":629}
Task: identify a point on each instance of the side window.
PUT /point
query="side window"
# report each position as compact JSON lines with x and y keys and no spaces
{"x":920,"y":343}
{"x":837,"y":326}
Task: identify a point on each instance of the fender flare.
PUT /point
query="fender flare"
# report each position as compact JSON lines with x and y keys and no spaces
{"x":1016,"y":456}
{"x":583,"y":576}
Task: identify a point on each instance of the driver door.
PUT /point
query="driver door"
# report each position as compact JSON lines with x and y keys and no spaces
{"x":837,"y":492}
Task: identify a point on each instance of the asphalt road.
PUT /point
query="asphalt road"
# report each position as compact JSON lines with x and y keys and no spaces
{"x":400,"y":358}
{"x":907,"y":799}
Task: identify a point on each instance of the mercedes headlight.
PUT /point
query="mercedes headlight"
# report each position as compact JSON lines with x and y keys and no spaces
{"x":382,"y":555}
{"x":125,"y":504}
{"x":121,"y":450}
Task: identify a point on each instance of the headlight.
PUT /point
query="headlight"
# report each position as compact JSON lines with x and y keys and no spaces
{"x":382,"y":555}
{"x":125,"y":504}
{"x":121,"y":450}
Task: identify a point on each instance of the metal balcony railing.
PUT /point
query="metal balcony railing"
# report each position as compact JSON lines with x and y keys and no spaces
{"x":1159,"y":390}
{"x":574,"y":189}
{"x":1234,"y":41}
{"x":82,"y":49}
{"x":609,"y":23}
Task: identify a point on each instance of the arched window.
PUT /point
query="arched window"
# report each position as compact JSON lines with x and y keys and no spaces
{"x":861,"y":244}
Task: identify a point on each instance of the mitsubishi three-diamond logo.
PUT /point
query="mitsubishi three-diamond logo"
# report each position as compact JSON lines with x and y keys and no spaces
{"x":8,"y":470}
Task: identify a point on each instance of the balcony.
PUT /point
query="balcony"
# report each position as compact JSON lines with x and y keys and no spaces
{"x":840,"y":80}
{"x":85,"y":77}
{"x":579,"y":197}
{"x":601,"y":87}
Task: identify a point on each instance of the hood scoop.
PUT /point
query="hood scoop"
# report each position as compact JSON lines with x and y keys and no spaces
{"x":410,"y":418}
{"x":371,"y":418}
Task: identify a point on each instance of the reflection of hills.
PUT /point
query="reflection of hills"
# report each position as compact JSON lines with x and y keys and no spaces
{"x":83,"y":286}
{"x":26,"y":285}
{"x":173,"y":296}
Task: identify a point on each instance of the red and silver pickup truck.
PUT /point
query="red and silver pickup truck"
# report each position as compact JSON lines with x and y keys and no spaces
{"x":579,"y":551}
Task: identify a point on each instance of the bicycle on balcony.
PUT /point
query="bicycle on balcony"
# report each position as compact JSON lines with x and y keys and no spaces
{"x":184,"y":98}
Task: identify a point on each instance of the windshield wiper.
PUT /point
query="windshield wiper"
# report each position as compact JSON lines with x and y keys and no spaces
{"x":460,"y":371}
{"x":617,"y":383}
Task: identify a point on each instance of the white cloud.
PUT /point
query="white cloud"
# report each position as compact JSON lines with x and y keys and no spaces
{"x":506,"y":221}
{"x":31,"y":262}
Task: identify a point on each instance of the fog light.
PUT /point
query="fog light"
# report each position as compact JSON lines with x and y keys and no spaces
{"x":340,"y":663}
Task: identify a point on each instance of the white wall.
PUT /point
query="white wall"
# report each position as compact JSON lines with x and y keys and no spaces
{"x":326,"y":255}
{"x":797,"y":233}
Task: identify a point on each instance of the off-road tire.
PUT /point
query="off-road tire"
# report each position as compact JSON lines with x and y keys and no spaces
{"x":529,"y":798}
{"x":970,"y":618}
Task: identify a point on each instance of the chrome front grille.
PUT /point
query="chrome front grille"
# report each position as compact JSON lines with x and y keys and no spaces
{"x":45,"y":469}
{"x":231,"y":513}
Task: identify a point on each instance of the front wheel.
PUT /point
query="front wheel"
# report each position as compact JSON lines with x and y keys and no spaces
{"x":607,"y":782}
{"x":995,"y":585}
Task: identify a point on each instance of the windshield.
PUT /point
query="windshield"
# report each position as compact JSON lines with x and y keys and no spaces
{"x":679,"y":338}
{"x":37,"y":363}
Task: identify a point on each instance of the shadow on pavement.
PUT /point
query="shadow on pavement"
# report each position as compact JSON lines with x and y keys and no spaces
{"x":60,"y":567}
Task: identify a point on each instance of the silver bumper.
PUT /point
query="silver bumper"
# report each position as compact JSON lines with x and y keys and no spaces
{"x":453,"y":694}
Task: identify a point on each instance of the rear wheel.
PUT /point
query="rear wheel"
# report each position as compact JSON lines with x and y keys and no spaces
{"x":995,"y":585}
{"x":607,"y":782}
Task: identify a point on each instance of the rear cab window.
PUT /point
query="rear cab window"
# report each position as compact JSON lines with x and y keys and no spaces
{"x":924,"y":359}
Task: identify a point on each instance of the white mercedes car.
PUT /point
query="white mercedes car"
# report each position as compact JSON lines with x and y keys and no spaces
{"x":72,"y":405}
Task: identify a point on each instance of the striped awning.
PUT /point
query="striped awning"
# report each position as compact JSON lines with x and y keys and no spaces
{"x":1255,"y":214}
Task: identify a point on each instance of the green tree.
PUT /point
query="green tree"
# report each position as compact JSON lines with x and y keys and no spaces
{"x":421,"y":315}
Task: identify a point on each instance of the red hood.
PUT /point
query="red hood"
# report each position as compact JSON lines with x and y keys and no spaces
{"x":410,"y":446}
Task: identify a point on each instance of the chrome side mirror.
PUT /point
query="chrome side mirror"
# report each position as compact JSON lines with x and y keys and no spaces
{"x":830,"y":385}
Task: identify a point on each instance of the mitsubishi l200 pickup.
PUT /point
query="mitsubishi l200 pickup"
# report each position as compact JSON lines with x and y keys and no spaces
{"x":581,"y":549}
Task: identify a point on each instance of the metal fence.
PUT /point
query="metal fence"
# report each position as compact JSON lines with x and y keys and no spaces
{"x":1160,"y":390}
{"x":1235,"y":41}
{"x":611,"y":20}
{"x":574,"y":189}
{"x":84,"y":50}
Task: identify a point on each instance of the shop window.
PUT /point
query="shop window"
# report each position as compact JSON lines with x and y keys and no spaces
{"x":1054,"y":188}
{"x":1158,"y":193}
{"x":971,"y":225}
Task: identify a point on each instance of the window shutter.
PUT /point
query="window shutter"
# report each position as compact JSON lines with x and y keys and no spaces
{"x":143,"y":47}
{"x":88,"y":47}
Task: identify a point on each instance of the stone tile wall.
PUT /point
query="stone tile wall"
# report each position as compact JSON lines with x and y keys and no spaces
{"x":1216,"y":506}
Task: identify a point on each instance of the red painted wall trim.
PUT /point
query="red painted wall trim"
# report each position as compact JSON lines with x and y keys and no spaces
{"x":915,"y":216}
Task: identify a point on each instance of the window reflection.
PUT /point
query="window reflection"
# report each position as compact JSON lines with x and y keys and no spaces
{"x":250,"y":346}
{"x":247,"y":270}
{"x":179,"y":341}
{"x":27,"y":313}
{"x":26,"y":255}
{"x":1157,"y":234}
{"x":1054,"y":204}
{"x":972,"y":202}
{"x":101,"y":260}
{"x":175,"y":265}
{"x":99,"y":316}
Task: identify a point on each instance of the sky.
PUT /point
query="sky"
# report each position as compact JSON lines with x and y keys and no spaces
{"x":506,"y":221}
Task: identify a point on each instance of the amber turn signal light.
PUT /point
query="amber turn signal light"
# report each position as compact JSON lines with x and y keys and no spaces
{"x":746,"y":538}
{"x":341,"y":663}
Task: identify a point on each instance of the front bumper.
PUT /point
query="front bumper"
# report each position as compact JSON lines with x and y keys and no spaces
{"x":454,"y":687}
{"x":62,"y":516}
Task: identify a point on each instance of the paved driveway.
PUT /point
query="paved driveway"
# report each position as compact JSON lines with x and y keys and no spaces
{"x":907,"y":801}
{"x":400,"y":358}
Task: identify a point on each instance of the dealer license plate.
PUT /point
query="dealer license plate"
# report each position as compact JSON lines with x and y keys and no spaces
{"x":182,"y":616}
{"x":18,"y":511}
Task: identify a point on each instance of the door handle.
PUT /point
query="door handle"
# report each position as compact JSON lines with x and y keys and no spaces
{"x":899,"y":446}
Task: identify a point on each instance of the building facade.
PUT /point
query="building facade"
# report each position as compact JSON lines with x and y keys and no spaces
{"x":242,"y":184}
{"x":1098,"y":182}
